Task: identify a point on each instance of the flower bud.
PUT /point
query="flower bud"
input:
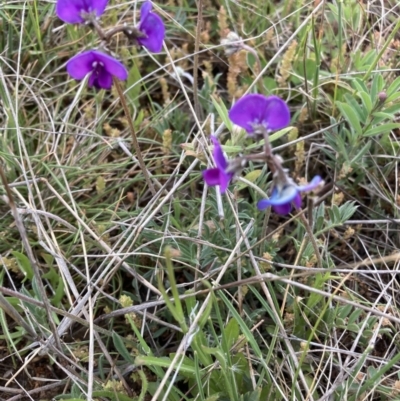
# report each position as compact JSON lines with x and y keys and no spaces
{"x":382,"y":96}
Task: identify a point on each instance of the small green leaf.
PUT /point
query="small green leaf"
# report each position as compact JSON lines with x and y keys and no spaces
{"x":213,"y":397}
{"x":307,"y":68}
{"x":252,"y":177}
{"x":228,"y":148}
{"x":24,"y":264}
{"x":120,"y":347}
{"x":222,"y":112}
{"x":164,"y":363}
{"x":353,"y":327}
{"x":134,"y":85}
{"x":393,"y":87}
{"x":361,"y":113}
{"x":366,"y":100}
{"x":270,"y":84}
{"x":252,"y":395}
{"x":350,"y":115}
{"x":382,"y":129}
{"x":344,"y":311}
{"x":347,"y":210}
{"x":377,"y":86}
{"x":359,"y":85}
{"x":393,"y":97}
{"x":59,"y":294}
{"x":355,"y":316}
{"x":231,"y":332}
{"x":361,"y":153}
{"x":278,"y":134}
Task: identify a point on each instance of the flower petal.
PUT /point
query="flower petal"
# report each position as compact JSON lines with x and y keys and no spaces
{"x":281,"y":200}
{"x":145,"y":9}
{"x":276,"y":114}
{"x":252,"y":109}
{"x":282,"y":209}
{"x":92,"y":81}
{"x":263,"y":204}
{"x":99,"y":6}
{"x":104,"y":79}
{"x":247,"y":111}
{"x":81,"y":64}
{"x":218,"y":154}
{"x":285,"y":195}
{"x":111,"y":65}
{"x":224,"y":179}
{"x":211,"y":176}
{"x":70,"y":11}
{"x":311,"y":185}
{"x":297,"y":201}
{"x":153,"y":27}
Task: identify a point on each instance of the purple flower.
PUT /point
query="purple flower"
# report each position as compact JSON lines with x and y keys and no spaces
{"x":100,"y":66}
{"x":284,"y":195}
{"x":271,"y":112}
{"x":219,"y":175}
{"x":72,"y":11}
{"x":153,"y":27}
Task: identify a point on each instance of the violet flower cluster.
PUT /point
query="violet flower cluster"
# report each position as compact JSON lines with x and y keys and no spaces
{"x":259,"y":115}
{"x":98,"y":64}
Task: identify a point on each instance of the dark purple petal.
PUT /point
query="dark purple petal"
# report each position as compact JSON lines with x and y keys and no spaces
{"x":282,"y":209}
{"x":311,"y":185}
{"x":297,"y":201}
{"x":81,"y":64}
{"x":104,"y":79}
{"x":215,"y":176}
{"x":218,"y":176}
{"x":211,"y":176}
{"x":92,"y":81}
{"x":70,"y":11}
{"x":272,"y":112}
{"x":218,"y":154}
{"x":224,"y":179}
{"x":153,"y":27}
{"x":111,"y":65}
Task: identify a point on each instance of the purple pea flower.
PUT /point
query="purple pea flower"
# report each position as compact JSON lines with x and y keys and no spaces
{"x":252,"y":111}
{"x":283,"y":195}
{"x":219,"y":175}
{"x":73,"y":11}
{"x":152,"y":26}
{"x":100,"y":66}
